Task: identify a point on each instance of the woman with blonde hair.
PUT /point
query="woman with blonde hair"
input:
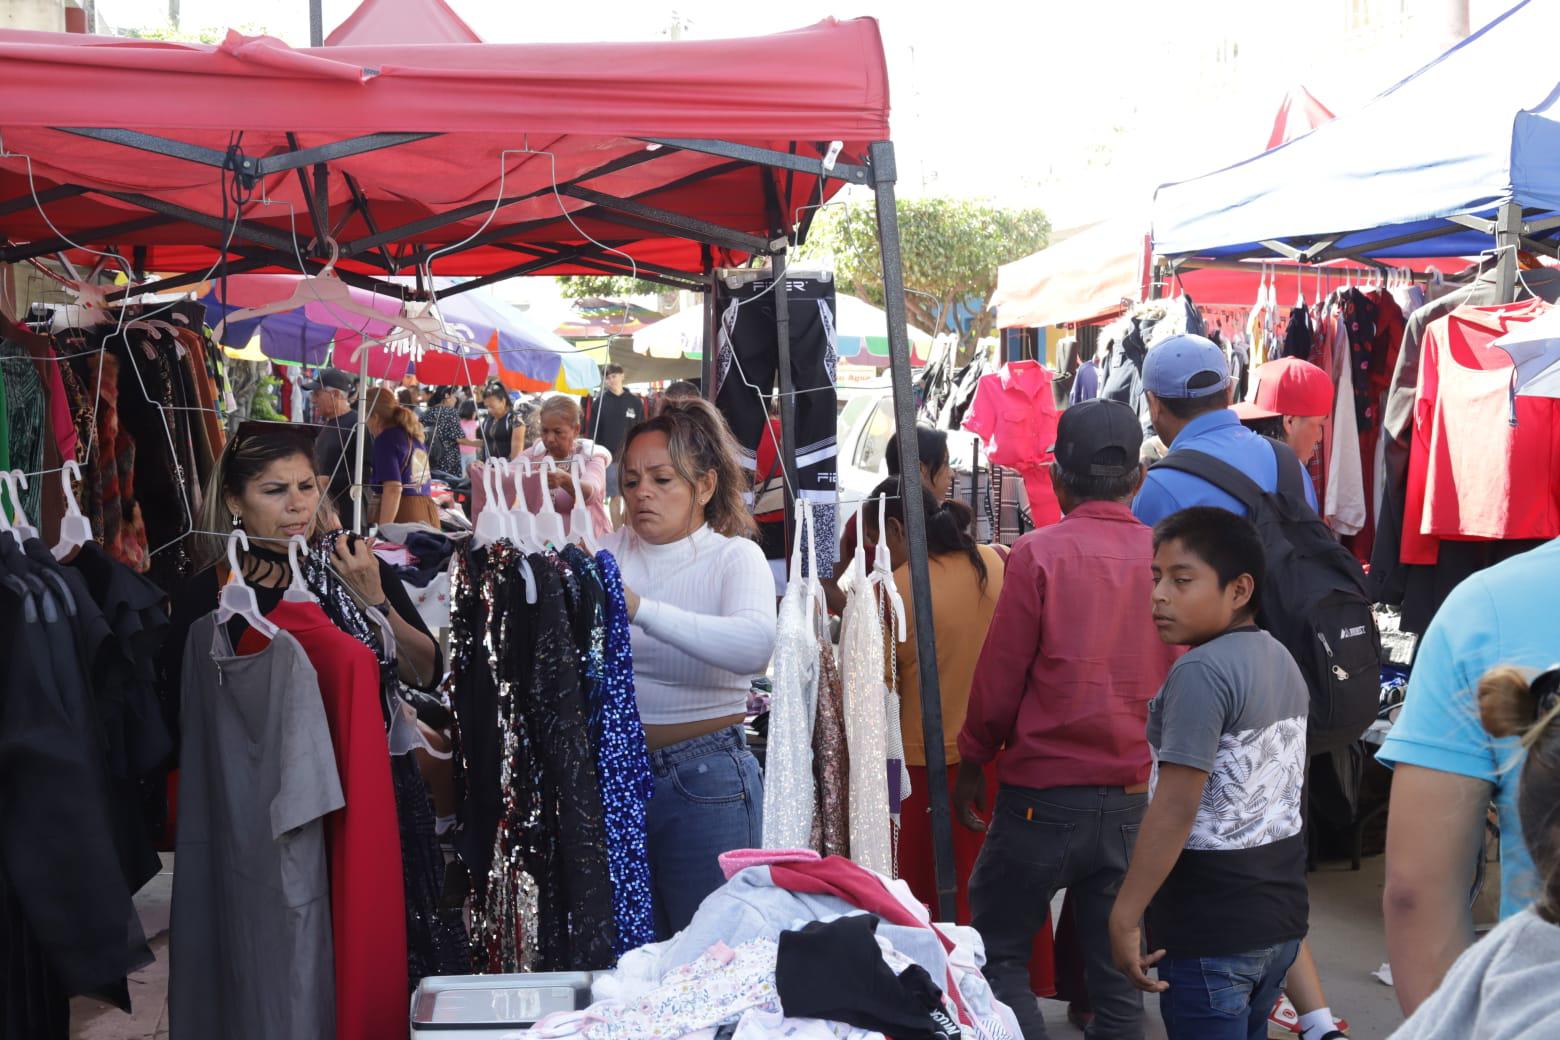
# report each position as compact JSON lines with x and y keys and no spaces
{"x":401,"y":473}
{"x":561,"y":441}
{"x":702,"y":603}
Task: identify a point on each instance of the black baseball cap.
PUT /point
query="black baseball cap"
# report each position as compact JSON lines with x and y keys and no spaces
{"x":334,"y":379}
{"x":1098,"y":439}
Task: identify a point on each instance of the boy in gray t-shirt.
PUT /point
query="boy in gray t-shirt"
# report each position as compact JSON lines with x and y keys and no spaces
{"x":1219,"y":864}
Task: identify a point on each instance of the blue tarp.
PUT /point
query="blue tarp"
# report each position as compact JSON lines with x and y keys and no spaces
{"x":1475,"y":128}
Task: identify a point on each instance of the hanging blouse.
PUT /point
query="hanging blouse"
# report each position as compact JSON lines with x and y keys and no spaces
{"x":623,"y":760}
{"x":435,"y":936}
{"x":575,"y":930}
{"x":788,"y":774}
{"x":831,"y":759}
{"x":26,"y":412}
{"x":866,"y":727}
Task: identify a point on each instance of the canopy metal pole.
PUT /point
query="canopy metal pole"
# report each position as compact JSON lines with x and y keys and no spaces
{"x":707,"y":361}
{"x":316,"y":23}
{"x":883,"y":176}
{"x":779,"y":262}
{"x":360,"y":445}
{"x":1508,"y":239}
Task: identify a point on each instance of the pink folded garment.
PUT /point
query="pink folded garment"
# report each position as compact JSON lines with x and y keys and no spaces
{"x":737,"y":860}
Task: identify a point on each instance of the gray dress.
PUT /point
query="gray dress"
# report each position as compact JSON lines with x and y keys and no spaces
{"x":251,"y":953}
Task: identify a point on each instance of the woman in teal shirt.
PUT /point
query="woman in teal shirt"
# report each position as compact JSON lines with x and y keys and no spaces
{"x":1448,"y":769}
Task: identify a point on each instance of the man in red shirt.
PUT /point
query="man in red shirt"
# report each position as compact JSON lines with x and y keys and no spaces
{"x":1070,"y":663}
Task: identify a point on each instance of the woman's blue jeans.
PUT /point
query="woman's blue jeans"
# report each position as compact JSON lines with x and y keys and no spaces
{"x":709,"y":799}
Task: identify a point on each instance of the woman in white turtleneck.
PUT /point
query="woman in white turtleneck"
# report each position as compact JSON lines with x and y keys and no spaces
{"x":701,"y":599}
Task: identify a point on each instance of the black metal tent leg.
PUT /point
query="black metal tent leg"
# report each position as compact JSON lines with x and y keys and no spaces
{"x":883,"y":175}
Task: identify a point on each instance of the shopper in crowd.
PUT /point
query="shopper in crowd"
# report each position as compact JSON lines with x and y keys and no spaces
{"x":966,"y":581}
{"x":470,"y":431}
{"x":503,"y":435}
{"x":1187,"y":382}
{"x":578,"y":459}
{"x":1059,"y":701}
{"x":678,"y":390}
{"x":335,"y":444}
{"x":401,"y":472}
{"x":265,"y":484}
{"x":442,"y":422}
{"x":1292,"y":401}
{"x":936,"y":483}
{"x":1503,"y":988}
{"x":609,"y":416}
{"x":1219,"y":862}
{"x":1447,"y":769}
{"x":703,"y":610}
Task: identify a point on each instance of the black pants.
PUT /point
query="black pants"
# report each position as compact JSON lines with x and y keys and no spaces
{"x":1077,"y":838}
{"x":750,"y":354}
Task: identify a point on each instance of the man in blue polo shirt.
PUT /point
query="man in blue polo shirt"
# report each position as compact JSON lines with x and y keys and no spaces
{"x":1187,"y":383}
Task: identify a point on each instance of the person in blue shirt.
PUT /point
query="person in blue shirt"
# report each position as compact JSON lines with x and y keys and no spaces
{"x":1447,"y":768}
{"x":1186,"y":380}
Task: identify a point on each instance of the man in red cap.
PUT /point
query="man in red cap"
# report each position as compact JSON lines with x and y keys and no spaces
{"x":1291,"y":402}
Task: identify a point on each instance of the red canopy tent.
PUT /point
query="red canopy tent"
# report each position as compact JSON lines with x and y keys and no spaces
{"x":402,"y":21}
{"x":648,"y":147}
{"x":665,"y":159}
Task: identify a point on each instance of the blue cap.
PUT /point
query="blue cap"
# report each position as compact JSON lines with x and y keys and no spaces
{"x":1185,"y":366}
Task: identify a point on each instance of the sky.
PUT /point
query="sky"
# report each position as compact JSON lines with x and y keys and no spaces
{"x":1080,"y":108}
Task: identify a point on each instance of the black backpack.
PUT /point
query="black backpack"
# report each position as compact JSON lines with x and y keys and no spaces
{"x":1313,"y":600}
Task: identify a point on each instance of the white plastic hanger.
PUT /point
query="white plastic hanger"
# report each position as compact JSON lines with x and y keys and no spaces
{"x":549,"y":522}
{"x":521,"y":520}
{"x":237,"y":598}
{"x":75,"y":529}
{"x":883,"y":571}
{"x":297,"y":591}
{"x":581,"y":528}
{"x":19,"y":525}
{"x":328,"y":289}
{"x":492,"y":522}
{"x":858,"y":562}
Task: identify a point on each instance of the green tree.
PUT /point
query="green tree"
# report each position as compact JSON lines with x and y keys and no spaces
{"x":951,"y":249}
{"x":611,"y":286}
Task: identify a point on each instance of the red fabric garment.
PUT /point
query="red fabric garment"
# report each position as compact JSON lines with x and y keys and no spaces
{"x":1472,"y":475}
{"x":916,"y":867}
{"x":1072,"y":657}
{"x":1015,"y":414}
{"x":839,"y":877}
{"x":1385,"y":345}
{"x":768,"y":461}
{"x":367,"y":901}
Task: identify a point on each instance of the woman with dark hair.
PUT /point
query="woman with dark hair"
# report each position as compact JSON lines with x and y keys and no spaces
{"x":503,"y":434}
{"x":936,"y":479}
{"x":702,"y":604}
{"x":442,"y":423}
{"x":264,"y":483}
{"x":966,"y":580}
{"x":401,"y":472}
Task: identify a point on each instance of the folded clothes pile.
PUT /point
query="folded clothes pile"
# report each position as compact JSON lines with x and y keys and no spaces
{"x":799,"y":947}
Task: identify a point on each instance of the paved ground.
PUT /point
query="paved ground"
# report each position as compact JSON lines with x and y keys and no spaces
{"x":1346,"y":935}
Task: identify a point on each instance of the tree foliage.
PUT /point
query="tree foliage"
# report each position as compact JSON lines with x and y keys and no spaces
{"x":579,"y":286}
{"x":951,"y":249}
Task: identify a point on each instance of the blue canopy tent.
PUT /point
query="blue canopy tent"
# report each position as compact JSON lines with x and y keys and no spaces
{"x":1462,"y":155}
